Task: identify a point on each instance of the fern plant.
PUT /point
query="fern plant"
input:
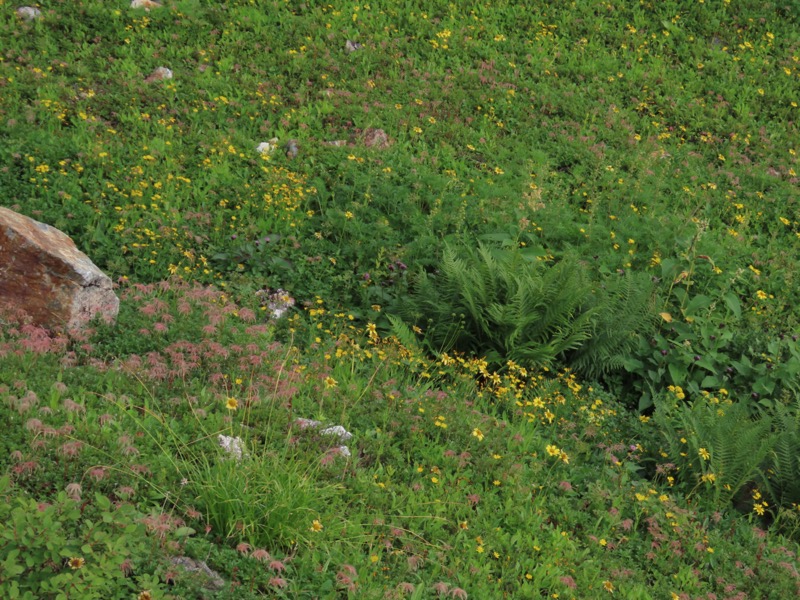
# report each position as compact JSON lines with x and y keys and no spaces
{"x":782,"y":479}
{"x":718,"y":448}
{"x":625,"y":310}
{"x":504,"y":305}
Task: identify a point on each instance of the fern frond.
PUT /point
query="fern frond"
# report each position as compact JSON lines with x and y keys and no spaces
{"x":625,"y":309}
{"x":404,"y":334}
{"x":782,"y":482}
{"x":736,"y":442}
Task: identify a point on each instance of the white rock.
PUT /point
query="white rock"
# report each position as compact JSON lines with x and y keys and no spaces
{"x":338,"y":431}
{"x":29,"y":13}
{"x":159,"y":74}
{"x":267,"y":147}
{"x":278,"y":302}
{"x":232,"y":445}
{"x":145,"y":4}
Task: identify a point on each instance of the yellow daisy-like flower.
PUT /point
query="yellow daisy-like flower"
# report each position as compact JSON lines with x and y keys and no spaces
{"x":316,"y":526}
{"x":231,"y":404}
{"x":76,"y":562}
{"x":608,"y":586}
{"x":478,"y":434}
{"x":330,"y":382}
{"x":704,"y":454}
{"x":553,"y":450}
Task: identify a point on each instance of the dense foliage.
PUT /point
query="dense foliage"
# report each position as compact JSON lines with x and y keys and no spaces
{"x":536,"y":258}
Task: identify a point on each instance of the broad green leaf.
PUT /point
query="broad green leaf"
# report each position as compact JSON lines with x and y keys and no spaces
{"x":733,"y":304}
{"x":678,"y":373}
{"x":184,"y":532}
{"x":102,"y":501}
{"x":698,"y":303}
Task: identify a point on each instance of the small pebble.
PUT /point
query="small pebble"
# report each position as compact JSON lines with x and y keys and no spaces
{"x":159,"y":74}
{"x":352,"y":46}
{"x":291,"y":148}
{"x":145,"y":4}
{"x":28,"y":13}
{"x":267,"y":147}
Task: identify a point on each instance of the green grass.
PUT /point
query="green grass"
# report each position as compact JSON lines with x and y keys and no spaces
{"x":652,"y":140}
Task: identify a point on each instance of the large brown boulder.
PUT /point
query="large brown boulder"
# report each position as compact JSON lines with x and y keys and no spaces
{"x":43,"y":274}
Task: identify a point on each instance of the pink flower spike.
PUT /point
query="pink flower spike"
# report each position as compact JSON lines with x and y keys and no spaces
{"x":277,"y":566}
{"x":441,"y":588}
{"x":261,"y":554}
{"x":278,"y":582}
{"x":243,"y":548}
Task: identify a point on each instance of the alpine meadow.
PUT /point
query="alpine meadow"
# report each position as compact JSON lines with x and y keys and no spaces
{"x":418,"y":299}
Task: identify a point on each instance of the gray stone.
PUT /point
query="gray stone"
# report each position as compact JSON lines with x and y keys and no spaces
{"x":145,"y":4}
{"x":159,"y":74}
{"x":351,"y":46}
{"x":291,"y":148}
{"x":375,"y":138}
{"x":29,"y":13}
{"x":213,"y":581}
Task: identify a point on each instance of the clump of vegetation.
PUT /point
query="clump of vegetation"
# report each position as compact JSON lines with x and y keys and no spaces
{"x":506,"y":305}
